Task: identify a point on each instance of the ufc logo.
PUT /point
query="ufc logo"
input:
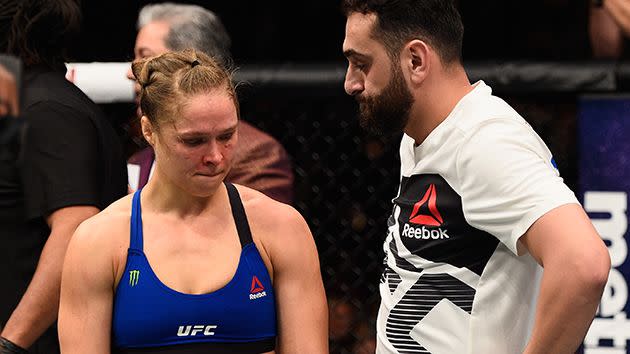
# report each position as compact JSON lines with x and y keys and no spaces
{"x":191,"y":331}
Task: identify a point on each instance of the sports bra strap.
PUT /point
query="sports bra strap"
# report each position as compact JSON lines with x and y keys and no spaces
{"x":238,"y":212}
{"x":136,"y":222}
{"x":240,"y":218}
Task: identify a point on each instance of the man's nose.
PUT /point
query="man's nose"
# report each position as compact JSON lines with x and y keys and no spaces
{"x":353,"y":84}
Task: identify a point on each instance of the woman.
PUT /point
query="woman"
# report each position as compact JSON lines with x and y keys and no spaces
{"x":208,"y":267}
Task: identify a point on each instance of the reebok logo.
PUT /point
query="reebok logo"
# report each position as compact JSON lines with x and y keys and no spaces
{"x":191,"y":331}
{"x":435,"y":219}
{"x":423,"y":233}
{"x":432,"y":218}
{"x":257,"y":290}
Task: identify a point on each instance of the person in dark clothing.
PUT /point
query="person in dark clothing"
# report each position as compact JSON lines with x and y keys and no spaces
{"x":70,"y":166}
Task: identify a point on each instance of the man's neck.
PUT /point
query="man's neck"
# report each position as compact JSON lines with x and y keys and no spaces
{"x":434,"y":101}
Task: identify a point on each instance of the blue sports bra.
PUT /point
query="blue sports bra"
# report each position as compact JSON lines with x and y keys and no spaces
{"x":149,"y":317}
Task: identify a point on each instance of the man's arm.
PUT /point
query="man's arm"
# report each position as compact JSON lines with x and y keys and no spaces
{"x":300,"y":296}
{"x":38,"y":308}
{"x":576,"y":266}
{"x":605,"y":35}
{"x":607,"y":27}
{"x":619,"y":10}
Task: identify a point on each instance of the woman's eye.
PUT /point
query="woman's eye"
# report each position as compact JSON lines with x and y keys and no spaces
{"x":226,"y":137}
{"x":193,"y":142}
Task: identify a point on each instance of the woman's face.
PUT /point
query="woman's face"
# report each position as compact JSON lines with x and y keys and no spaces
{"x":194,"y":150}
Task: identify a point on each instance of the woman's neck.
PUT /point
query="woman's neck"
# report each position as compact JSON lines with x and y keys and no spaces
{"x":163,"y":196}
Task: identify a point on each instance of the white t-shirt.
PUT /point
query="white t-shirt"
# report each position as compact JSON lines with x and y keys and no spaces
{"x":457,"y":279}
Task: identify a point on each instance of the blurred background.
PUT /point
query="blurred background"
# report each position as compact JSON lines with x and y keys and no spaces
{"x":281,"y":31}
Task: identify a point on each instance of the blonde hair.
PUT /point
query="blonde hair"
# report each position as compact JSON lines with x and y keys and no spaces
{"x":167,"y":80}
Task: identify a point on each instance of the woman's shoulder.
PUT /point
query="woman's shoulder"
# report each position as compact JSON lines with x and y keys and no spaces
{"x":110,"y":222}
{"x":279,"y":230}
{"x":275,"y":226}
{"x":263,"y":209}
{"x":118,"y":211}
{"x":99,"y":245}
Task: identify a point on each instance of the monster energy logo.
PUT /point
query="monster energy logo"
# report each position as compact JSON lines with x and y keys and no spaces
{"x":133,"y":277}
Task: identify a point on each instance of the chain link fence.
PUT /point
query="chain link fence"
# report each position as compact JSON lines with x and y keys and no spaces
{"x":344,"y":184}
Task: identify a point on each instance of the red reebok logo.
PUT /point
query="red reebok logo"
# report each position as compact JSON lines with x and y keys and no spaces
{"x":435,"y":219}
{"x":256,"y":286}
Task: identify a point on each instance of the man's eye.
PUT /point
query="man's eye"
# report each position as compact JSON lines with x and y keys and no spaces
{"x":358,"y":66}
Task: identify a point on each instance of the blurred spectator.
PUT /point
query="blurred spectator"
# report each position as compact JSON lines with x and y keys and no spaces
{"x":260,"y":162}
{"x":609,"y":28}
{"x":342,"y":316}
{"x":70,"y":166}
{"x":351,"y":325}
{"x":365,"y":338}
{"x":341,"y":323}
{"x":9,"y":99}
{"x":365,"y":346}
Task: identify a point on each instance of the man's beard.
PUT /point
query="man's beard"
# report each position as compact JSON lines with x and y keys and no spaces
{"x":388,"y":112}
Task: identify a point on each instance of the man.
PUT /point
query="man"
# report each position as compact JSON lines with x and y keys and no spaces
{"x":488,"y":251}
{"x":260,"y":162}
{"x":71,"y":165}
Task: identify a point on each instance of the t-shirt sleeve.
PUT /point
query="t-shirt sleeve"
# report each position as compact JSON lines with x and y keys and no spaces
{"x":508,"y":180}
{"x":59,"y":159}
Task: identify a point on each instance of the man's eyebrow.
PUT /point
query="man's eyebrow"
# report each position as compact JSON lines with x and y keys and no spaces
{"x":351,"y":53}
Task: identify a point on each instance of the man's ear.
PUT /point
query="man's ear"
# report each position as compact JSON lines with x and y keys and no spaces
{"x":147,"y":130}
{"x":416,"y":60}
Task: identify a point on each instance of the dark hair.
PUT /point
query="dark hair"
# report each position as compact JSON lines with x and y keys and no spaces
{"x":42,"y":30}
{"x":168,"y":79}
{"x":8,"y":9}
{"x":436,"y":22}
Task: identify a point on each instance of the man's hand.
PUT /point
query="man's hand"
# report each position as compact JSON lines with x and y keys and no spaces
{"x":9,"y":100}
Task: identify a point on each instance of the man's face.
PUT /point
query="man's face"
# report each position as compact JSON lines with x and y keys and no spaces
{"x":150,"y":41}
{"x":376,"y":82}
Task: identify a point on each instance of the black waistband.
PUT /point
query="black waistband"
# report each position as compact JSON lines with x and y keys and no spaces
{"x":262,"y":346}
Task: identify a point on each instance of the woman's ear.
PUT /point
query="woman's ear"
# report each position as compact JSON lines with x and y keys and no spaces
{"x":147,"y":130}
